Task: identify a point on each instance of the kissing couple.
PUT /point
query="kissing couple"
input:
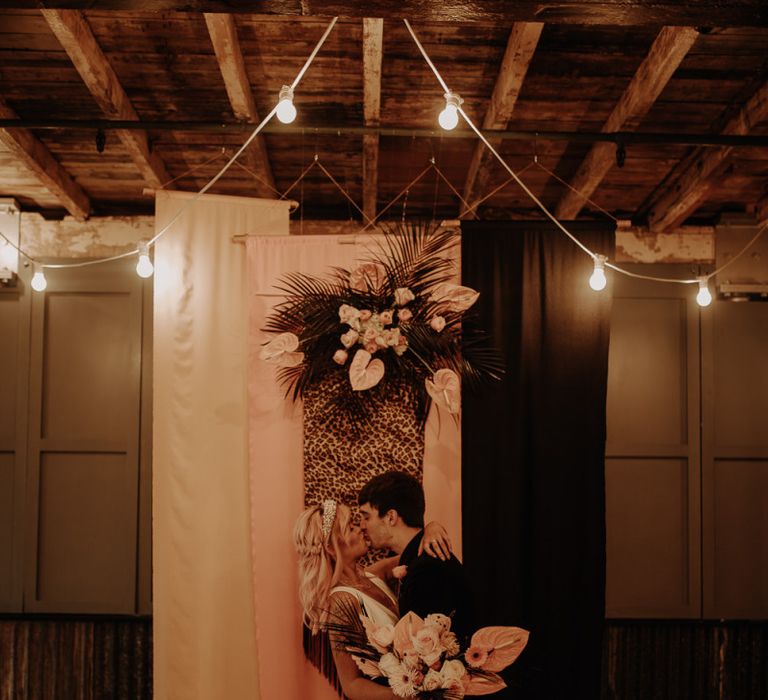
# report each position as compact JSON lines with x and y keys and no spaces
{"x":333,"y":586}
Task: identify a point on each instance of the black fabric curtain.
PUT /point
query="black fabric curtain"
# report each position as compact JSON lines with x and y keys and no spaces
{"x":533,"y":483}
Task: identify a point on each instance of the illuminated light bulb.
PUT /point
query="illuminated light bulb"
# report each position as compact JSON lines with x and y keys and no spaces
{"x":144,"y":268}
{"x":704,"y":297}
{"x":286,"y":112}
{"x":449,"y":117}
{"x":597,"y":280}
{"x":39,"y":283}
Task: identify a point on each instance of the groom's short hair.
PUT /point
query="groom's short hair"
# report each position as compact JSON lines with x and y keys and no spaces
{"x":395,"y":491}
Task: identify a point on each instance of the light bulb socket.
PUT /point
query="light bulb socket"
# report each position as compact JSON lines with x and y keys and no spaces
{"x":453,"y":99}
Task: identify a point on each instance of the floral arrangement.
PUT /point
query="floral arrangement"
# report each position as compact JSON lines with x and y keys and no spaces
{"x":396,"y":320}
{"x":422,"y":658}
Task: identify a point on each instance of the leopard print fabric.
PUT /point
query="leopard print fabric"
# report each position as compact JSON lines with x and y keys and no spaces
{"x":340,"y":456}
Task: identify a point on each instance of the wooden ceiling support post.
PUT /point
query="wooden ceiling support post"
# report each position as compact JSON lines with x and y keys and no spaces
{"x":226,"y":45}
{"x":75,"y":36}
{"x":34,"y":154}
{"x":667,"y":52}
{"x":373,"y":40}
{"x":521,"y":46}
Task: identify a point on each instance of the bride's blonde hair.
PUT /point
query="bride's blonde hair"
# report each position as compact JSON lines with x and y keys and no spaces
{"x":319,"y":560}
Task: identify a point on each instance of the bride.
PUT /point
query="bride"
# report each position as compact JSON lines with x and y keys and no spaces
{"x":331,"y":580}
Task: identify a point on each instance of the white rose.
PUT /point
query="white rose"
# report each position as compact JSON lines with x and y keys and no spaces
{"x":390,"y":666}
{"x":452,"y":671}
{"x":433,"y":680}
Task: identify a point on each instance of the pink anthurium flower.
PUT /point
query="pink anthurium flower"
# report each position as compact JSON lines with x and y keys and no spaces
{"x":281,"y":349}
{"x":455,"y":297}
{"x":364,"y":372}
{"x":445,"y":390}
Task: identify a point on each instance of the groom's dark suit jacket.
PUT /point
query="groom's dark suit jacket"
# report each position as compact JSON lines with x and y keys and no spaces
{"x":435,"y":586}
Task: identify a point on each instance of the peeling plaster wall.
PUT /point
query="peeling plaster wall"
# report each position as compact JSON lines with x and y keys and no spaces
{"x":96,"y":238}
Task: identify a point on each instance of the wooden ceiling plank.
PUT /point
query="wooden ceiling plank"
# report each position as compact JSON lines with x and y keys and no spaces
{"x":373,"y":42}
{"x":697,"y":174}
{"x":226,"y":45}
{"x":27,"y":148}
{"x":710,"y":13}
{"x":665,"y":55}
{"x":75,"y":36}
{"x":521,"y":46}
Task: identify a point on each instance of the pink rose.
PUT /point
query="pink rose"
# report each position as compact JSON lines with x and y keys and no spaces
{"x":367,"y":277}
{"x":399,"y":572}
{"x":385,"y":317}
{"x":371,"y":346}
{"x":426,"y":642}
{"x":340,"y":357}
{"x":404,"y":315}
{"x":365,"y":315}
{"x":403,"y":295}
{"x":349,"y":338}
{"x":348,"y":313}
{"x":437,"y":323}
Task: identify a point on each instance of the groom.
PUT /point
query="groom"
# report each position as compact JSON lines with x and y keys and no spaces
{"x":392,"y":514}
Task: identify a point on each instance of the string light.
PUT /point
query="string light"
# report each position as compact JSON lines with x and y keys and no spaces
{"x":39,"y":283}
{"x":286,"y":112}
{"x":597,"y":280}
{"x":704,"y":297}
{"x":449,"y":117}
{"x":144,"y":268}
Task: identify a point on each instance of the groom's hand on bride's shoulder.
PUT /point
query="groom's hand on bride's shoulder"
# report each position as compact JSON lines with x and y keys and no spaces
{"x":436,"y":542}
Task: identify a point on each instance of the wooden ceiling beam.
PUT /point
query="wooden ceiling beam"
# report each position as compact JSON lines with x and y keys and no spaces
{"x":521,"y":46}
{"x":688,"y":184}
{"x":708,"y":13}
{"x":226,"y":45}
{"x":373,"y":41}
{"x":27,"y":148}
{"x":667,"y":52}
{"x":75,"y":36}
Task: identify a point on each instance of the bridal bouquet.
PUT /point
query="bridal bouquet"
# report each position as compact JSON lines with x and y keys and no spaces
{"x":396,"y":320}
{"x":422,"y":658}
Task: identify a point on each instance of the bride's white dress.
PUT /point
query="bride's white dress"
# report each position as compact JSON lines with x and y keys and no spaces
{"x":372,"y":608}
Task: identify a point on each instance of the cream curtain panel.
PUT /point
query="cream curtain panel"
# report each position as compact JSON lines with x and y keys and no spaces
{"x":277,"y":487}
{"x":204,"y":637}
{"x":226,"y":616}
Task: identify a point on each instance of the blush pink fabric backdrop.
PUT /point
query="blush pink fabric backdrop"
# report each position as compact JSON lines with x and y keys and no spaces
{"x":276,"y":468}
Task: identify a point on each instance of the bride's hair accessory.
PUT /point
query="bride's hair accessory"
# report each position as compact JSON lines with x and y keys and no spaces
{"x":329,"y":515}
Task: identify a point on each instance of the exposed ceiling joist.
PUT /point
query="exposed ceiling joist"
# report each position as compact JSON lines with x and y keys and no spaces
{"x":761,"y":210}
{"x":690,"y":183}
{"x":665,"y":55}
{"x":521,"y":46}
{"x":373,"y":39}
{"x":77,"y":39}
{"x":34,"y":154}
{"x":226,"y":45}
{"x":710,"y":13}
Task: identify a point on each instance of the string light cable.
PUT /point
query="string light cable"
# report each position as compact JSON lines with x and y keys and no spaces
{"x":543,"y":207}
{"x":184,"y":207}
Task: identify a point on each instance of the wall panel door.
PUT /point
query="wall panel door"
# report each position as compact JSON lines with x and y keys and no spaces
{"x":652,"y":452}
{"x":14,"y":380}
{"x":83,"y":496}
{"x":735,"y":460}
